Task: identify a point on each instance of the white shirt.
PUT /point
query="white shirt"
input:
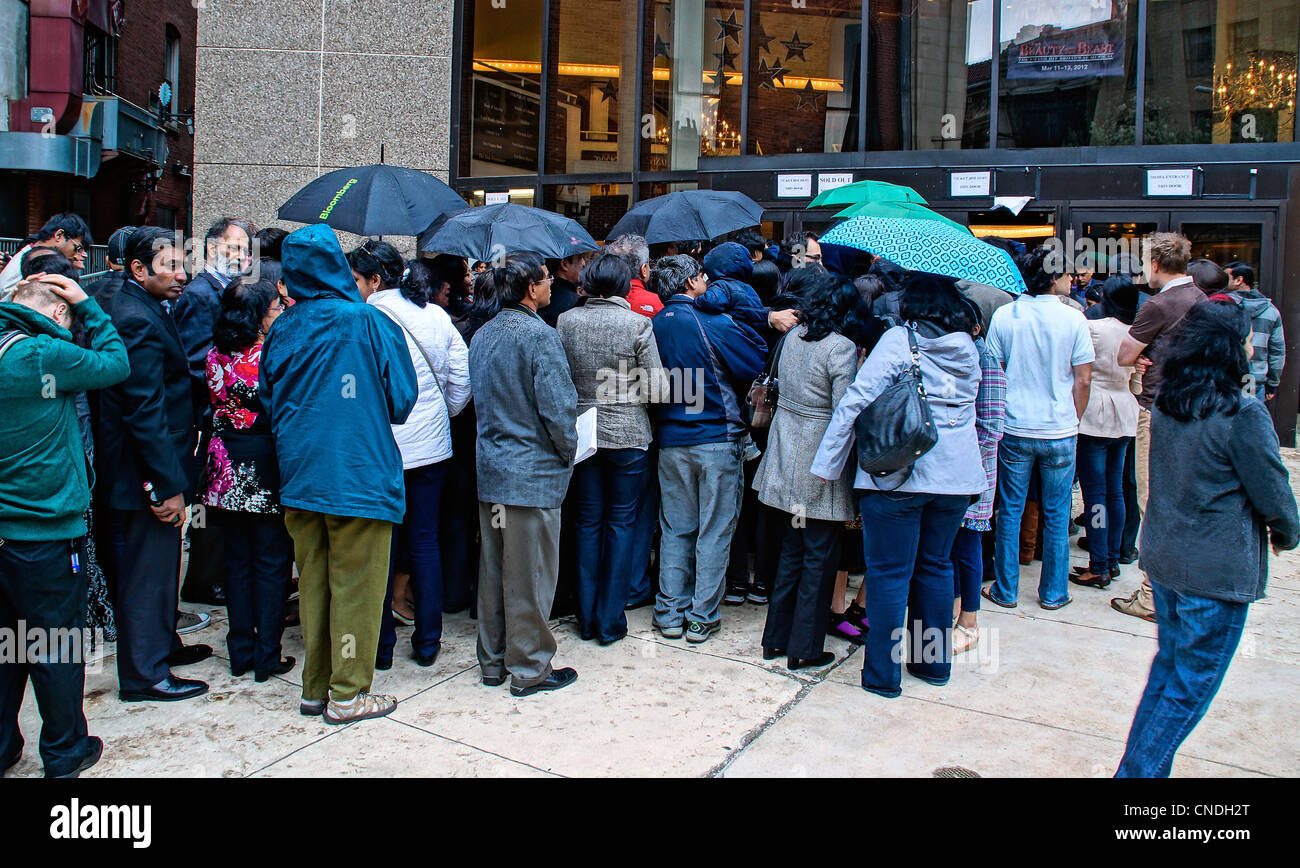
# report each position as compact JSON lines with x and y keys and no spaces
{"x":12,"y":275}
{"x":1038,"y":340}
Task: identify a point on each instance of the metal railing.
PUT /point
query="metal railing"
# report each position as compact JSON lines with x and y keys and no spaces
{"x":96,"y":258}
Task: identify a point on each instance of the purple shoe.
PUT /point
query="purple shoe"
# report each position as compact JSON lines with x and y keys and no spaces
{"x":842,"y":627}
{"x":857,"y":616}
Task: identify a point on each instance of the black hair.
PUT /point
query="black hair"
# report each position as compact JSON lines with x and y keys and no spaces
{"x":1034,"y":268}
{"x":1242,"y":270}
{"x":269,"y":241}
{"x":785,"y":256}
{"x":270,"y":269}
{"x":244,"y":304}
{"x":800,"y":280}
{"x":936,"y":299}
{"x":452,"y":270}
{"x":144,"y":244}
{"x":1208,"y":276}
{"x":607,"y":276}
{"x":486,"y":303}
{"x":1205,"y":362}
{"x":516,"y":274}
{"x":827,"y":301}
{"x":117,"y":243}
{"x":378,"y":258}
{"x":419,"y":284}
{"x":1119,"y":297}
{"x":50,"y":261}
{"x":1092,"y":294}
{"x":216,"y":230}
{"x":751,"y":241}
{"x":72,"y":226}
{"x":765,"y":279}
{"x":668,"y":276}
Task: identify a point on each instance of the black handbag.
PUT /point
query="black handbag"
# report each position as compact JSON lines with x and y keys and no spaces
{"x":897,"y":428}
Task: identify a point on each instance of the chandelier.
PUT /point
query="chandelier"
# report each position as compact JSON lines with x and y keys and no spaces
{"x":1265,"y":81}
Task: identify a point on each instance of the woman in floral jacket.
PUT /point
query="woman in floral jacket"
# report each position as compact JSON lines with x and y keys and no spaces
{"x":241,"y":482}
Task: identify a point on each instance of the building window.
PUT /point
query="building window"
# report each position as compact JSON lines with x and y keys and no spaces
{"x":173,"y":68}
{"x":500,"y":88}
{"x":805,"y":64}
{"x":99,"y":69}
{"x":1063,"y":74}
{"x":1221,"y":71}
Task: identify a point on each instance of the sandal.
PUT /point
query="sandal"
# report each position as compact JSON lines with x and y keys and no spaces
{"x":364,"y":706}
{"x":964,"y":639}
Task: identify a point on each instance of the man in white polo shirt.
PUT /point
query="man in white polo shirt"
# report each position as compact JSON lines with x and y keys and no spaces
{"x":1045,"y":348}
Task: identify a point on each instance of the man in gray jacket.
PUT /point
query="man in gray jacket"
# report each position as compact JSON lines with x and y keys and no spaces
{"x":1268,"y":344}
{"x":527,"y":438}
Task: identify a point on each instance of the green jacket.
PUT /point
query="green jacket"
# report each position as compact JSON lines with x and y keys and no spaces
{"x":44,"y":479}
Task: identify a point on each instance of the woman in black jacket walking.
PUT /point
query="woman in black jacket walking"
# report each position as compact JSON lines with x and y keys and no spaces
{"x":1222,"y":494}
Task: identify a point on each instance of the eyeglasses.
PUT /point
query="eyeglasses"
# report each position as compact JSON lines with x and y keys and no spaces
{"x":78,"y":248}
{"x":547,"y":279}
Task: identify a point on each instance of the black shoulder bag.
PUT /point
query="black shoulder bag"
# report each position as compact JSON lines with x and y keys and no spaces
{"x":897,"y":428}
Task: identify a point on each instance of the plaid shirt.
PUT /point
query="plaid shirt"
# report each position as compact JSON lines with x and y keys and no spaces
{"x":990,"y":418}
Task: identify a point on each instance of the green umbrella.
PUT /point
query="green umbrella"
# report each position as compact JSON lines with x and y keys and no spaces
{"x":867,"y":191}
{"x":903,"y":210}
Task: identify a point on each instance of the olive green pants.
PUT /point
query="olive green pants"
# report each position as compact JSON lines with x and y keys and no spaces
{"x":342,"y":579}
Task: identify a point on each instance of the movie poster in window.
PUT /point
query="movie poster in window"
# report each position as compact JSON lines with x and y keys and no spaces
{"x":1093,"y":50}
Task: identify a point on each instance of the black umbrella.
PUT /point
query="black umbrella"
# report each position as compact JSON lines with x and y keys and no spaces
{"x":373,"y":200}
{"x":493,"y":231}
{"x":689,"y":215}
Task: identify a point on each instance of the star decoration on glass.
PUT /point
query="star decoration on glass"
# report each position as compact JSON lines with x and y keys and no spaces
{"x":718,"y":78}
{"x":768,"y":75}
{"x":760,"y":38}
{"x":726,"y":57}
{"x":795,"y":48}
{"x":731,"y":28}
{"x":807,"y":98}
{"x":662,"y":48}
{"x":608,"y":91}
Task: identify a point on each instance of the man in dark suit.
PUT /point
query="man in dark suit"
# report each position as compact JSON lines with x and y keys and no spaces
{"x":145,"y":446}
{"x":225,"y":257}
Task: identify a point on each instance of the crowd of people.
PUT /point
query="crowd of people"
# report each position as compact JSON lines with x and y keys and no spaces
{"x":357,"y":441}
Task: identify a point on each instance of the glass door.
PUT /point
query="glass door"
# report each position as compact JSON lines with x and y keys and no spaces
{"x":1110,"y":239}
{"x":1234,"y":236}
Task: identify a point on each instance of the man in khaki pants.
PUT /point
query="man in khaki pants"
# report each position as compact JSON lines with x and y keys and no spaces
{"x":1164,"y":262}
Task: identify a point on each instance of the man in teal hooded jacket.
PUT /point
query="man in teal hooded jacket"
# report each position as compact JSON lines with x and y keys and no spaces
{"x":44,"y":493}
{"x":335,"y":375}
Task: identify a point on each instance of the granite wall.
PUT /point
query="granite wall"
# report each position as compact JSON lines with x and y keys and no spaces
{"x":291,"y":89}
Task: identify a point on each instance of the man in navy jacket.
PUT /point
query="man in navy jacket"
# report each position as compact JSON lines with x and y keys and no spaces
{"x":710,"y":358}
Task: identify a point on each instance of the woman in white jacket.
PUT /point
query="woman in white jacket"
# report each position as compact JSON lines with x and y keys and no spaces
{"x":441,"y":363}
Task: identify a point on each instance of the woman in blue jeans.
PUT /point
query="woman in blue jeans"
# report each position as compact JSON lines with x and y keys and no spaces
{"x":1106,"y":432}
{"x":1220,"y":496}
{"x":615,"y":366}
{"x":910,"y":519}
{"x":441,"y":360}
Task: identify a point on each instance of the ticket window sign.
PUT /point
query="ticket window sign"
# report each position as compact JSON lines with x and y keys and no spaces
{"x":1170,"y":182}
{"x":496,"y":198}
{"x":970,"y":184}
{"x":793,"y":186}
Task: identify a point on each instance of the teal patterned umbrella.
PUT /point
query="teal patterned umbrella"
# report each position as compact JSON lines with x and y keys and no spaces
{"x":927,"y":245}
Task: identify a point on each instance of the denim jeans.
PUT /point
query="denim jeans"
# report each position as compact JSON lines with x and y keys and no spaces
{"x":1016,"y":459}
{"x":641,"y":588}
{"x":1101,"y":476}
{"x":417,"y":539}
{"x":1196,"y":640}
{"x":699,"y":502}
{"x":608,"y":488}
{"x":909,"y":586}
{"x":968,"y":567}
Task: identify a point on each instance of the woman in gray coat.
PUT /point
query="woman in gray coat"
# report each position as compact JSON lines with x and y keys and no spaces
{"x":615,"y":366}
{"x":1221,"y":496}
{"x":815,"y":365}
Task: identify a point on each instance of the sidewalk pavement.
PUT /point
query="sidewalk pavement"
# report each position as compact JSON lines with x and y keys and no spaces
{"x":1047,"y":694}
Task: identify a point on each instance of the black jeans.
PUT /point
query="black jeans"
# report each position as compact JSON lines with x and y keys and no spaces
{"x":800,"y":604}
{"x":39,"y":591}
{"x":259,"y":562}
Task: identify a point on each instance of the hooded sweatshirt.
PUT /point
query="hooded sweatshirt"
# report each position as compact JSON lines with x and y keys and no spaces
{"x":335,"y":376}
{"x":950,"y":370}
{"x":729,"y":267}
{"x":1266,"y":339}
{"x":44,"y":478}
